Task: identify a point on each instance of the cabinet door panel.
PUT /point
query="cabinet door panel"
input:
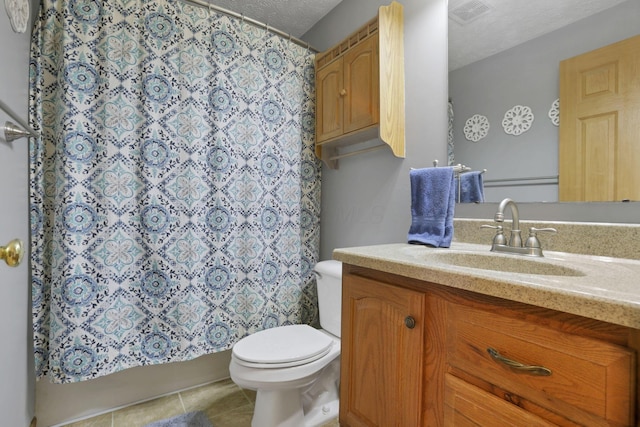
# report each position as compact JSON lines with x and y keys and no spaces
{"x":329,"y":108}
{"x":361,"y":85}
{"x":381,"y":371}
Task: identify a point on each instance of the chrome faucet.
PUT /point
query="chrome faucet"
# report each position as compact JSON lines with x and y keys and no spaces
{"x":515,"y":240}
{"x":531,"y":247}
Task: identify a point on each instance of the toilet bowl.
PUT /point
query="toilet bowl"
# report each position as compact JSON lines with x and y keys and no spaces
{"x":295,"y":369}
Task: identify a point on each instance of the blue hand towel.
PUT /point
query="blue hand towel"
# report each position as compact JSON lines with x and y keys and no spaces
{"x":471,"y":187}
{"x":432,"y":206}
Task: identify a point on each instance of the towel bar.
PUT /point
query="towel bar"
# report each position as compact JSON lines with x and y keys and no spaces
{"x":528,"y":178}
{"x":353,"y":153}
{"x":522,"y":182}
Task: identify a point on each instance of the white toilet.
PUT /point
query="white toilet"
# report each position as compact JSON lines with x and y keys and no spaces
{"x":295,"y":369}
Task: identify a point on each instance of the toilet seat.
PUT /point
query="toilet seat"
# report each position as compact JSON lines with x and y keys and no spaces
{"x":282,"y":347}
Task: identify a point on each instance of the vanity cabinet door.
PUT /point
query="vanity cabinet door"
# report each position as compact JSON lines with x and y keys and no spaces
{"x":382,"y":354}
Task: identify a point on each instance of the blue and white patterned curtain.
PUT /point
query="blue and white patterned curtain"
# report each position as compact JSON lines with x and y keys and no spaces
{"x":175,"y":194}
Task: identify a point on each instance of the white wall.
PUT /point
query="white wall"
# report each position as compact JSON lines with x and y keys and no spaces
{"x":367,"y":200}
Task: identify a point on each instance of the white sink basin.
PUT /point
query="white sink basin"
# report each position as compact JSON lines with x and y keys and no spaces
{"x":504,"y":263}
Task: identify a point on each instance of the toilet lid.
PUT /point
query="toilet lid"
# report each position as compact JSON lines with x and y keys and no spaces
{"x":283,"y":346}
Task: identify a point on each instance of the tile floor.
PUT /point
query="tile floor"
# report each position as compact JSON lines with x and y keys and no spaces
{"x":226,"y":405}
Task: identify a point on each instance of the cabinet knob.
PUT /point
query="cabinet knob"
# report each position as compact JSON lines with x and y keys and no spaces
{"x":410,"y":322}
{"x":343,"y":92}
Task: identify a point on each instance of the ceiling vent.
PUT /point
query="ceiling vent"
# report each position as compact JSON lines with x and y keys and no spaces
{"x":468,"y":11}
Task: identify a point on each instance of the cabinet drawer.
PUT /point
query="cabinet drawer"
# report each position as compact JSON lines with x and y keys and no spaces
{"x":467,"y":405}
{"x":590,"y":381}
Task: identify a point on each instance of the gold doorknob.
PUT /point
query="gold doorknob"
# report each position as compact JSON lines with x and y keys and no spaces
{"x":343,"y":92}
{"x":12,"y":253}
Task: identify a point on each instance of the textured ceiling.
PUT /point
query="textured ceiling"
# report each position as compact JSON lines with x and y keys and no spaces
{"x":506,"y":24}
{"x":294,"y":17}
{"x":511,"y":22}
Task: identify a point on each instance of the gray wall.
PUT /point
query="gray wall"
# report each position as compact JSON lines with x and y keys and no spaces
{"x":366,"y":201}
{"x":527,"y":74}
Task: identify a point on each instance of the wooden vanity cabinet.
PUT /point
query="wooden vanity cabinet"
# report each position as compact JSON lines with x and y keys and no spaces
{"x":440,"y":372}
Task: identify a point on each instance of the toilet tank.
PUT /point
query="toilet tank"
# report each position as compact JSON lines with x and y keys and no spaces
{"x":329,"y":278}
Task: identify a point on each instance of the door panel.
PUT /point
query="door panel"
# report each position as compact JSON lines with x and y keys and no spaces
{"x":381,"y":385}
{"x":329,"y":83}
{"x":361,"y":84}
{"x":599,"y":147}
{"x":16,"y":364}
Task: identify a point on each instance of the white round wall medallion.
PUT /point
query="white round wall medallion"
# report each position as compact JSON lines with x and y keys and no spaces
{"x":517,"y":120}
{"x":18,"y":13}
{"x":476,"y":127}
{"x":554,"y":112}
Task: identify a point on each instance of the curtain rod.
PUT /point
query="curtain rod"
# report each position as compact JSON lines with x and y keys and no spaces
{"x":296,"y":40}
{"x":4,"y":107}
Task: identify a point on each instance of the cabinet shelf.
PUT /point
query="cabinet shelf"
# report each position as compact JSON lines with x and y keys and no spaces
{"x":360,"y":89}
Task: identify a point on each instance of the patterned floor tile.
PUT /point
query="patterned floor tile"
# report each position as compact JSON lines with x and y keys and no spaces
{"x":214,"y":399}
{"x":251,"y":395}
{"x":104,"y":420}
{"x":144,"y":413}
{"x":225,"y":404}
{"x":239,"y":417}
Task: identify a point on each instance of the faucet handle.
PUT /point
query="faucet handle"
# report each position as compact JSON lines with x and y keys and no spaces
{"x":499,"y":238}
{"x":533,"y":230}
{"x":532,"y":240}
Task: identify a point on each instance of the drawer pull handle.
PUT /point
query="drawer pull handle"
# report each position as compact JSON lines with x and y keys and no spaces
{"x":410,"y":322}
{"x":530,"y":369}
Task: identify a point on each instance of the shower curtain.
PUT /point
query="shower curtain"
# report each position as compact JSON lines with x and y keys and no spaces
{"x":175,"y":194}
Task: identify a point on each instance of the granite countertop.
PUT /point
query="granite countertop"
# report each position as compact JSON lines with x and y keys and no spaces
{"x":597,"y":287}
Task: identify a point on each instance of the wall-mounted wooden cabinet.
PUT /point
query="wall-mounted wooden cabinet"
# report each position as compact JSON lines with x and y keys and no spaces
{"x":360,"y":88}
{"x":420,"y":354}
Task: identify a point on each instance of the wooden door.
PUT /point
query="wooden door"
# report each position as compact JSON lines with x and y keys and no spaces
{"x":17,"y":381}
{"x":329,"y":101}
{"x":382,"y":354}
{"x":361,"y":85}
{"x":599,"y":147}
